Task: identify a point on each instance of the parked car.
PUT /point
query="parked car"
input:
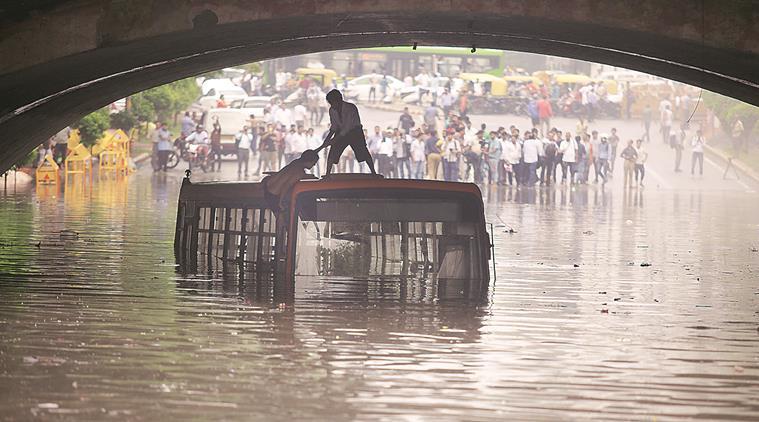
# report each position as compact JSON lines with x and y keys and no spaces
{"x":359,"y":87}
{"x":230,"y":94}
{"x":254,"y":105}
{"x":231,"y":121}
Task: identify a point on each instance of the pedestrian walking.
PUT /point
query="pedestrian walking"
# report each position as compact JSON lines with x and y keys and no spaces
{"x":640,"y":162}
{"x":530,"y":152}
{"x":568,"y":149}
{"x":678,"y":146}
{"x":406,"y":122}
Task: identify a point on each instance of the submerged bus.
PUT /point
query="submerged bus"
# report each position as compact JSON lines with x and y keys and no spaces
{"x":345,"y":227}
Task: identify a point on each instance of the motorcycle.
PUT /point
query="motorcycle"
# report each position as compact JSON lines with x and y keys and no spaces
{"x":172,"y":161}
{"x":196,"y":155}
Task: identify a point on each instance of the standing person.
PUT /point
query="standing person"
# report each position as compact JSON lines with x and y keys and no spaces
{"x":512,"y":154}
{"x":493,"y":154}
{"x":547,"y":170}
{"x":604,"y":152}
{"x":544,"y":114}
{"x":432,"y":150}
{"x":630,"y":155}
{"x":446,"y":101}
{"x":406,"y":122}
{"x":430,"y":116}
{"x":532,"y":111}
{"x":187,"y":124}
{"x":568,"y":149}
{"x":678,"y":145}
{"x":268,"y":150}
{"x":531,"y":152}
{"x":313,"y":141}
{"x":164,"y":148}
{"x":299,"y":114}
{"x":595,"y":145}
{"x":666,"y":122}
{"x":697,"y":145}
{"x":244,"y":141}
{"x":345,"y":129}
{"x":61,"y":144}
{"x":402,"y":146}
{"x":385,"y":156}
{"x":417,"y":155}
{"x":373,"y":85}
{"x":640,"y":162}
{"x":648,"y":116}
{"x":216,"y":144}
{"x":451,"y":152}
{"x":463,"y":104}
{"x":614,"y":142}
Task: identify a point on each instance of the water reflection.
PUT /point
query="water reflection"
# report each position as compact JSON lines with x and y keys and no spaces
{"x":96,"y":322}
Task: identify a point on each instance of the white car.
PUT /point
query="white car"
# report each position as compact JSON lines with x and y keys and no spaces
{"x":358,"y":88}
{"x":254,"y":105}
{"x":230,"y":94}
{"x":231,"y":121}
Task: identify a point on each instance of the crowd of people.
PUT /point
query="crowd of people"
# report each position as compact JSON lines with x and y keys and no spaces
{"x":443,"y":144}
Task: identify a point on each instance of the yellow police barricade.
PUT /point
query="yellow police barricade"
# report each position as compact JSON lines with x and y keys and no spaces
{"x":111,"y":151}
{"x":79,"y":161}
{"x":47,"y":171}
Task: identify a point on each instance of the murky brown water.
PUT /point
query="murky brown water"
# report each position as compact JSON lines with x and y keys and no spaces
{"x":99,"y":326}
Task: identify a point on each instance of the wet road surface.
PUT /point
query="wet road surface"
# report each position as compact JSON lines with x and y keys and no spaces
{"x":608,"y":305}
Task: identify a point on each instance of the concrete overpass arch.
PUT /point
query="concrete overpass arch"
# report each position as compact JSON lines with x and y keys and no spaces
{"x":63,"y":59}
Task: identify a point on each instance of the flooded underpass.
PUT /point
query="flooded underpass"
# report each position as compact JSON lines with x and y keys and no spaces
{"x":610,"y":305}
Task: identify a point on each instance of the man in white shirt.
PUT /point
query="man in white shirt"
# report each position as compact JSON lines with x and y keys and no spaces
{"x":244,"y":140}
{"x":295,"y":144}
{"x":200,"y":136}
{"x":344,"y":130}
{"x":299,"y":114}
{"x":568,"y":151}
{"x":531,"y":151}
{"x":417,"y":155}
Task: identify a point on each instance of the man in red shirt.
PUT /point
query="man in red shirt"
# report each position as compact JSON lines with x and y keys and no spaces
{"x":544,"y":114}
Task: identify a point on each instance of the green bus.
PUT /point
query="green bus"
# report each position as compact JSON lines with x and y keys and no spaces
{"x":403,"y":61}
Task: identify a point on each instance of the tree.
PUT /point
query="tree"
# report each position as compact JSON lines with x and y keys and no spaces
{"x":92,"y":126}
{"x":124,"y":120}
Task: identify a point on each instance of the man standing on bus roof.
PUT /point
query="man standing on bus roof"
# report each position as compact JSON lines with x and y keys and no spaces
{"x":344,"y":130}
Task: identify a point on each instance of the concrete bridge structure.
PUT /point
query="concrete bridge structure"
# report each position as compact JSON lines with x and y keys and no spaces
{"x":64,"y":58}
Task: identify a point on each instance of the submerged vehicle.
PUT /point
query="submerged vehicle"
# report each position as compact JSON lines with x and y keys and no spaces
{"x":345,"y":227}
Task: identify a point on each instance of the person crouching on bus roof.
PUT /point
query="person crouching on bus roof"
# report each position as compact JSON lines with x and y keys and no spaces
{"x":344,"y":130}
{"x":278,"y":186}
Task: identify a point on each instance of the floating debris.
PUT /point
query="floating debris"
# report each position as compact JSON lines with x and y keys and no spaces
{"x":645,"y":264}
{"x":577,"y":265}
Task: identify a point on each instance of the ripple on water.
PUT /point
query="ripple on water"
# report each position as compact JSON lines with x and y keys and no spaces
{"x":100,"y":324}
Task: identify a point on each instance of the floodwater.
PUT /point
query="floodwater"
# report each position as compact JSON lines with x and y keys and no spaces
{"x":96,"y":324}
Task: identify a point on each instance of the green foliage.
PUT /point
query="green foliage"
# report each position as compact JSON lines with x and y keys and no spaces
{"x":124,"y":120}
{"x":28,"y":160}
{"x":163,"y":102}
{"x":728,"y":110}
{"x":92,"y":126}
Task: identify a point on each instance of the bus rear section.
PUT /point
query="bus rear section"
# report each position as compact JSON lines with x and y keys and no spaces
{"x":367,"y":234}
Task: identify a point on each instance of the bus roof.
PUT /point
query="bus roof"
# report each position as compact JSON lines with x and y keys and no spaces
{"x":369,"y":182}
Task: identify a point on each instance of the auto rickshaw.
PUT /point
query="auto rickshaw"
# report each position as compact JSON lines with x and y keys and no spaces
{"x":494,"y":93}
{"x":324,"y":77}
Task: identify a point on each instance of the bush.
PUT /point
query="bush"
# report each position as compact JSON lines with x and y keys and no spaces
{"x":92,"y":126}
{"x":124,"y":120}
{"x":165,"y":101}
